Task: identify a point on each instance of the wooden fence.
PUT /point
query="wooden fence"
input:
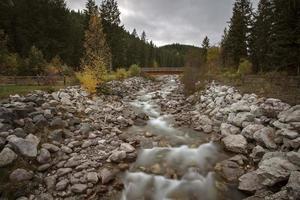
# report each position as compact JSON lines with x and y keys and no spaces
{"x":34,"y":80}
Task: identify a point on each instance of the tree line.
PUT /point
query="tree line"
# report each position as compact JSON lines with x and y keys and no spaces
{"x":268,"y":37}
{"x":36,"y":35}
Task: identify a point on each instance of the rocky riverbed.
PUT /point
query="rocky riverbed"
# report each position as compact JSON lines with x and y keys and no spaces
{"x":148,"y":141}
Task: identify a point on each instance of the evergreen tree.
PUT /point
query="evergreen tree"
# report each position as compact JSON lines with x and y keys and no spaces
{"x":285,"y":35}
{"x":95,"y":46}
{"x":115,"y":33}
{"x":205,"y":46}
{"x":260,"y":38}
{"x":224,"y":48}
{"x":90,"y":9}
{"x":239,"y":31}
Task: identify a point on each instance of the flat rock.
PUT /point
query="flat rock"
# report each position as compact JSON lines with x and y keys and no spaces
{"x":235,"y":143}
{"x":128,"y":148}
{"x":250,"y":182}
{"x":290,"y":115}
{"x":7,"y":156}
{"x":61,"y":185}
{"x":79,"y":188}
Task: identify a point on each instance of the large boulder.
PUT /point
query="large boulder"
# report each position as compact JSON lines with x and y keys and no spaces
{"x":235,"y":143}
{"x":44,"y":156}
{"x":26,"y":147}
{"x":7,"y":156}
{"x":250,"y":182}
{"x":273,"y":169}
{"x":229,"y":170}
{"x":117,"y":156}
{"x":266,"y":137}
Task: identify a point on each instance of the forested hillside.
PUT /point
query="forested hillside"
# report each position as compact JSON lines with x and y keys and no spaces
{"x":36,"y":32}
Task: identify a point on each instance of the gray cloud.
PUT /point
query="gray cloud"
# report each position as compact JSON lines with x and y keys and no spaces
{"x":174,"y":21}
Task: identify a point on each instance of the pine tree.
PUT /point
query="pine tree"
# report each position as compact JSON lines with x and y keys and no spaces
{"x":239,"y":30}
{"x":205,"y":46}
{"x":285,"y":35}
{"x":95,"y":46}
{"x":115,"y":33}
{"x":90,"y":9}
{"x":260,"y":37}
{"x":224,"y":48}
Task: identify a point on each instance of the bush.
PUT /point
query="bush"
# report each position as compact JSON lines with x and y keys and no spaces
{"x":88,"y":80}
{"x":135,"y":70}
{"x":245,"y":67}
{"x":93,"y":75}
{"x":121,"y":74}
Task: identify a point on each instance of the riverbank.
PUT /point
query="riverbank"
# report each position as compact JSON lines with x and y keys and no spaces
{"x":148,"y":137}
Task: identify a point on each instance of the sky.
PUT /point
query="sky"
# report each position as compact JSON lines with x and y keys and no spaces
{"x":173,"y":21}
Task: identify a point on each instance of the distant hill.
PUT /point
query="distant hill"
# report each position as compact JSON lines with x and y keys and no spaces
{"x":180,"y":49}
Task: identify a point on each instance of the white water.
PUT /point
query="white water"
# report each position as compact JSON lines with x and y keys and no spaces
{"x":195,"y":164}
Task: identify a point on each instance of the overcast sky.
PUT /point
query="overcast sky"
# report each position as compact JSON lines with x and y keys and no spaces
{"x":173,"y":21}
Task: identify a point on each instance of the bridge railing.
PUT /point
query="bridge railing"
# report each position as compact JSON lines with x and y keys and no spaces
{"x":163,"y":69}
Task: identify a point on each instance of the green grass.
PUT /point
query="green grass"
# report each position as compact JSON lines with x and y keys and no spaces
{"x":7,"y":90}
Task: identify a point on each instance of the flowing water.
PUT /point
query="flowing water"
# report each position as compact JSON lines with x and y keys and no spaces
{"x":180,"y":170}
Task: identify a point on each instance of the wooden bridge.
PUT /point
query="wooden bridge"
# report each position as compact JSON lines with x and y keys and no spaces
{"x":163,"y":70}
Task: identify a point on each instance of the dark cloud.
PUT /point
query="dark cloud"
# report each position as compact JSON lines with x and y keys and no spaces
{"x":174,"y":21}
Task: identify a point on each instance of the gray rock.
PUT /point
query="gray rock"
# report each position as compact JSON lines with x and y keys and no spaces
{"x":229,"y":170}
{"x":58,"y":123}
{"x":266,"y":137}
{"x":56,"y":135}
{"x":291,"y":115}
{"x":257,"y":153}
{"x":66,"y":149}
{"x":250,"y":182}
{"x":24,"y":146}
{"x":7,"y":156}
{"x":249,"y":130}
{"x":92,"y":177}
{"x":50,"y":182}
{"x":240,"y":106}
{"x":293,"y":186}
{"x":79,"y":188}
{"x":44,"y":156}
{"x":241,"y":118}
{"x":87,"y":144}
{"x":61,"y":185}
{"x":50,"y":147}
{"x":45,"y":196}
{"x":274,"y":170}
{"x":235,"y":143}
{"x":106,"y":176}
{"x":281,"y":195}
{"x":294,"y":157}
{"x":128,"y":148}
{"x":20,"y":175}
{"x":63,"y":171}
{"x":22,"y":198}
{"x":33,"y":139}
{"x":44,"y":167}
{"x":288,"y":133}
{"x":228,"y":129}
{"x":85,"y":128}
{"x":117,"y":156}
{"x":19,"y":132}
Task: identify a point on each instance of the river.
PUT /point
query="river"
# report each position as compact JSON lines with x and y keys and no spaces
{"x":180,"y":165}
